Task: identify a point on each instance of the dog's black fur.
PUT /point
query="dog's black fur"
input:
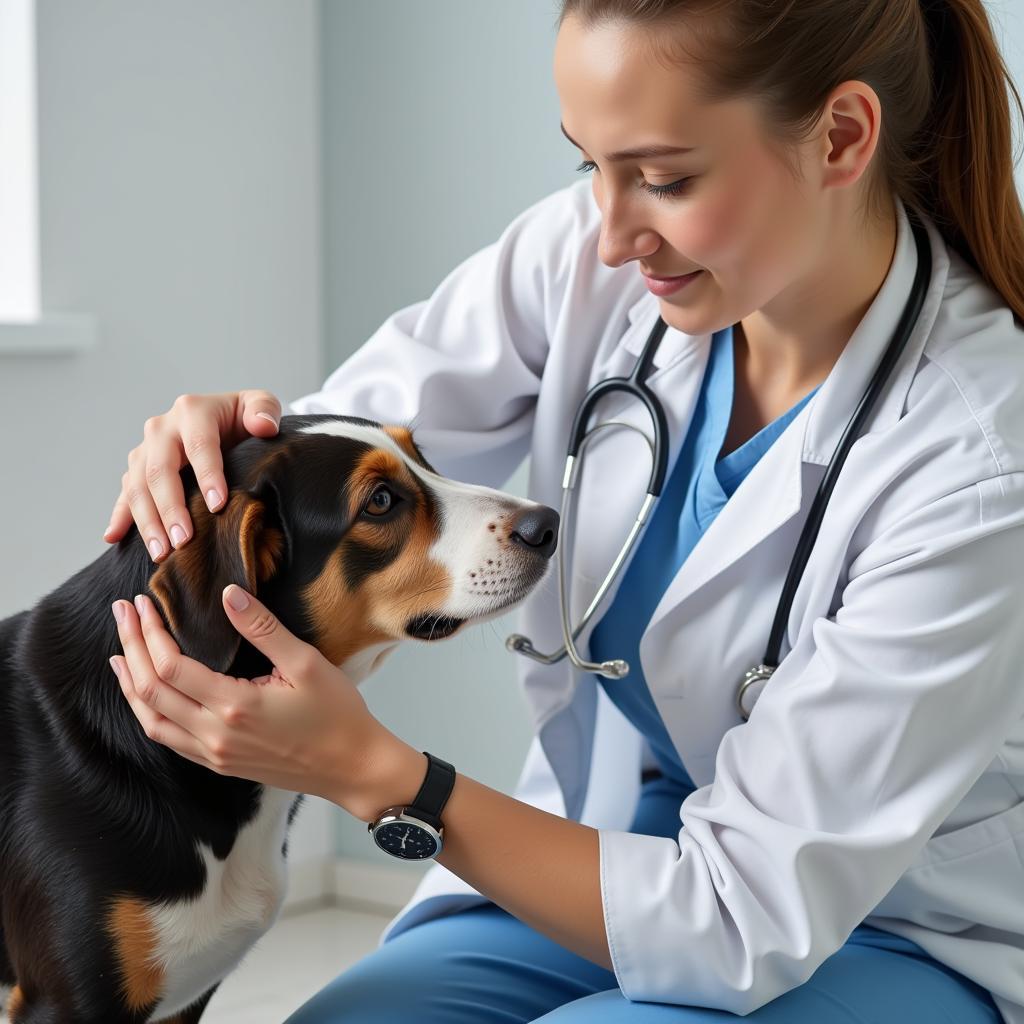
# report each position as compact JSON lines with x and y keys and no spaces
{"x":89,"y":806}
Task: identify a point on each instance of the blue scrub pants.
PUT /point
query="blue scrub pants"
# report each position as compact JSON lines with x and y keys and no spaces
{"x":484,"y":966}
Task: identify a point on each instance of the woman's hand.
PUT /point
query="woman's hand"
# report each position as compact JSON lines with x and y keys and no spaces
{"x":305,"y":727}
{"x":192,"y":431}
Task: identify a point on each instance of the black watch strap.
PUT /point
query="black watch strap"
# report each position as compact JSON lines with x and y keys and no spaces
{"x":433,"y":794}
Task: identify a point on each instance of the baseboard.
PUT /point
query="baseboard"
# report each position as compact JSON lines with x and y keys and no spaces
{"x":310,"y":885}
{"x":382,"y":886}
{"x":345,"y":881}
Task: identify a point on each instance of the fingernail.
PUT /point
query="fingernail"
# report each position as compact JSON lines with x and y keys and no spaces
{"x":237,"y":598}
{"x":118,"y":611}
{"x":156,"y":549}
{"x":177,"y":535}
{"x":212,"y":498}
{"x":140,"y":603}
{"x":267,"y":416}
{"x":114,"y":666}
{"x":110,"y":526}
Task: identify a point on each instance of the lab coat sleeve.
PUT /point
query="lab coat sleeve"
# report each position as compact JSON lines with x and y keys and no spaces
{"x":462,"y":369}
{"x":859,"y":747}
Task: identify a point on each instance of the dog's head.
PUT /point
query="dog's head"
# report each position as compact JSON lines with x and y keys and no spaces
{"x":341,"y":527}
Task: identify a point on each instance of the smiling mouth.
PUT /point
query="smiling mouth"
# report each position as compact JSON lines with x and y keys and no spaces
{"x":432,"y":627}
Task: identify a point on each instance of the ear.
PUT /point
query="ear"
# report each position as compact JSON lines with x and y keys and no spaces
{"x":240,"y":544}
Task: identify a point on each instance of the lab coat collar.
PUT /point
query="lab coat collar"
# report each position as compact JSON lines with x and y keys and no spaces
{"x":770,"y":496}
{"x":831,"y":408}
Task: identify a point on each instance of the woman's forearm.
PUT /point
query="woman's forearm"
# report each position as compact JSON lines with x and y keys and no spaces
{"x":543,"y":869}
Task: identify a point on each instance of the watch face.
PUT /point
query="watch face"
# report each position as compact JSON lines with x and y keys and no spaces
{"x":404,"y":839}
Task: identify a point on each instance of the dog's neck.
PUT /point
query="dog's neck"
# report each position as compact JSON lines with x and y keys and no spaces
{"x":64,"y":649}
{"x":71,"y":634}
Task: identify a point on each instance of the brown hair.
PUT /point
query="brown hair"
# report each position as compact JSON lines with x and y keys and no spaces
{"x":945,"y":141}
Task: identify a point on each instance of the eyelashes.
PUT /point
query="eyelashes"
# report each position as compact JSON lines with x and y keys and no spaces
{"x":676,"y":188}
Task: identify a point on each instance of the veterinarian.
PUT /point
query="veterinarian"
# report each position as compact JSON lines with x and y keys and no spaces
{"x":855,"y":850}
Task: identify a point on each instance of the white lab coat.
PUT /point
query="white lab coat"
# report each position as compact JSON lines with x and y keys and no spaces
{"x":881,"y":774}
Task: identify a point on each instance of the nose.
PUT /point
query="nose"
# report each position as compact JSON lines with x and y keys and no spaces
{"x":617,"y":246}
{"x":621,"y":237}
{"x":537,"y":528}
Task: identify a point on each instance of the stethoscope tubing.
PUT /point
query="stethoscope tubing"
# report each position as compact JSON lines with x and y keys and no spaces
{"x":636,"y":386}
{"x":809,"y":533}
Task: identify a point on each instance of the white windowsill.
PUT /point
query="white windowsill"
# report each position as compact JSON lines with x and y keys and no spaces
{"x":53,"y":334}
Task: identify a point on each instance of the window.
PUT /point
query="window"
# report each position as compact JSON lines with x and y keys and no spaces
{"x":19,"y":205}
{"x":24,"y":327}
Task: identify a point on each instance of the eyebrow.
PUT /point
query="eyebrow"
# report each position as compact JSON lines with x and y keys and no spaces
{"x":643,"y":153}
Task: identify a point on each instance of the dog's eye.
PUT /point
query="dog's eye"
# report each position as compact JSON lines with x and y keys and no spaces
{"x":381,"y":501}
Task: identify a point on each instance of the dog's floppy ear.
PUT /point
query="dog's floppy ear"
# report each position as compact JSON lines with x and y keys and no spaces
{"x":242,"y":544}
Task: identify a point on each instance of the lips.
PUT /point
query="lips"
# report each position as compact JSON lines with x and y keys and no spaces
{"x":670,"y":277}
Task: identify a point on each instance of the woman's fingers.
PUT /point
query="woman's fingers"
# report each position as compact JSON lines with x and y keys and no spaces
{"x":156,"y":726}
{"x":261,"y":412}
{"x":199,"y":425}
{"x":291,"y":657}
{"x":193,"y":431}
{"x":209,"y":697}
{"x":207,"y":424}
{"x":158,"y":500}
{"x":149,"y":671}
{"x":136,"y":496}
{"x":120,"y":518}
{"x":179,"y":701}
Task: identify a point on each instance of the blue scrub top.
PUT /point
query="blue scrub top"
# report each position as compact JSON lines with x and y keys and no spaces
{"x":697,"y":487}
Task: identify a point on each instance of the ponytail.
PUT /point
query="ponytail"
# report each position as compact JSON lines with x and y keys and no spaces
{"x":967,"y":185}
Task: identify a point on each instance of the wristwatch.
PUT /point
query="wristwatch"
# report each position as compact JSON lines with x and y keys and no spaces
{"x":415,"y":832}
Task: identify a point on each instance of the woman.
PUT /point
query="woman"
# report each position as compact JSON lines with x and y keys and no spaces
{"x":852,"y":851}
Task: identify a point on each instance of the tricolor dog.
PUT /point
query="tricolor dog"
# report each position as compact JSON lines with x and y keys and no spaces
{"x":131,"y":879}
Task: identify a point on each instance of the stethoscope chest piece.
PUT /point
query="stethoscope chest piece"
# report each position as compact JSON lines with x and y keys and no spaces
{"x":751,"y":687}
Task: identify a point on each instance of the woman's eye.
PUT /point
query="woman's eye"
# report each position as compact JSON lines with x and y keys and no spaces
{"x":380,"y":501}
{"x":676,"y":188}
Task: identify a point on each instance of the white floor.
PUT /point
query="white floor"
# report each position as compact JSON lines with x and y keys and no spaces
{"x":298,"y":956}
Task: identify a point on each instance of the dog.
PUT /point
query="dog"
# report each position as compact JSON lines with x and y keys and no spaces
{"x":132,"y":880}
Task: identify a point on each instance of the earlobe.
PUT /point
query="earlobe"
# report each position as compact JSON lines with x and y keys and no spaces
{"x":237,"y":545}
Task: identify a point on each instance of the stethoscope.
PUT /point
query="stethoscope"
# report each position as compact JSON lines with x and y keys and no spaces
{"x":635,"y":385}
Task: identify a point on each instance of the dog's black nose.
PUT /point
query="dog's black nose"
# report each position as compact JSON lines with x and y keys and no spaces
{"x":537,"y":528}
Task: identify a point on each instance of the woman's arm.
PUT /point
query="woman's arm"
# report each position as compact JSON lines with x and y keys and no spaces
{"x":307,"y":728}
{"x":543,"y":869}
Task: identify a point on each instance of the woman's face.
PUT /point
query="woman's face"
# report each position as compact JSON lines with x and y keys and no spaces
{"x":730,"y":208}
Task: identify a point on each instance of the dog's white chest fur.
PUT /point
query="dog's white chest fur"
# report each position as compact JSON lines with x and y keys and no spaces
{"x":200,"y":942}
